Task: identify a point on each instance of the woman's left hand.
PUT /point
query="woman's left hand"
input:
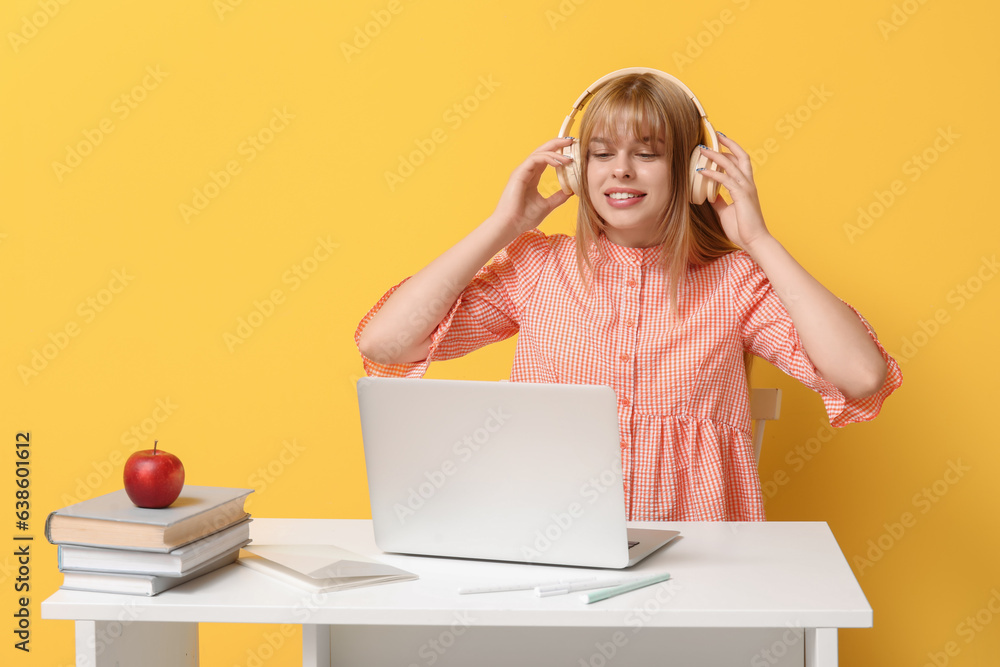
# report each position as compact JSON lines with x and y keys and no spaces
{"x":742,"y":220}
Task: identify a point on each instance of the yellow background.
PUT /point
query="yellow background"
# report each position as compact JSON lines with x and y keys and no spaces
{"x":334,"y":110}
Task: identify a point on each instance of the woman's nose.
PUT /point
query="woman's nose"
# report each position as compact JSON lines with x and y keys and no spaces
{"x":623,"y":168}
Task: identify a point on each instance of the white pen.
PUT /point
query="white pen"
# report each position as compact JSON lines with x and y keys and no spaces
{"x":568,"y":587}
{"x":524,"y":586}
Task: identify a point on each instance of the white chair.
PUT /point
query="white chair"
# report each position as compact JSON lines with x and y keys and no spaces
{"x":765,"y":405}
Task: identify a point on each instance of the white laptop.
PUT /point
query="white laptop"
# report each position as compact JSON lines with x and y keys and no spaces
{"x":506,"y":471}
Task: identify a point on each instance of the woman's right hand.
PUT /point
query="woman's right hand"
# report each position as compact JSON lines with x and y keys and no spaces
{"x":521,"y":205}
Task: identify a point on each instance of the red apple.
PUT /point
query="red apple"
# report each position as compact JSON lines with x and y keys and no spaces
{"x":153,"y":478}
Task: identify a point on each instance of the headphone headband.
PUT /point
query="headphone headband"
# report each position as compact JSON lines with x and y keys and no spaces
{"x":592,"y":88}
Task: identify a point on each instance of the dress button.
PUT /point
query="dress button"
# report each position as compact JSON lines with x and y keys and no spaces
{"x":625,"y":401}
{"x":630,"y":282}
{"x":630,"y":323}
{"x":624,"y":357}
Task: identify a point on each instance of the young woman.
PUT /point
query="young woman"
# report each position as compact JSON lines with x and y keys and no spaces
{"x":656,"y":296}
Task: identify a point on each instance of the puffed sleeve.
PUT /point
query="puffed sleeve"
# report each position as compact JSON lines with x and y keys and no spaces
{"x":486,"y":311}
{"x":767,"y":332}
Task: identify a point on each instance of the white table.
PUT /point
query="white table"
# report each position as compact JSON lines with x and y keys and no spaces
{"x":741,"y":593}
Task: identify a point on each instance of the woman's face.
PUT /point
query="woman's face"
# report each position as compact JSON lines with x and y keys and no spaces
{"x":628,"y":184}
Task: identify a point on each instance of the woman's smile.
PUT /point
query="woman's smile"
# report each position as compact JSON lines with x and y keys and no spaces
{"x":623,"y":197}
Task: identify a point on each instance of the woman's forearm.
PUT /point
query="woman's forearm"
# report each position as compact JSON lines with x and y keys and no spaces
{"x":400,"y":332}
{"x":836,"y":340}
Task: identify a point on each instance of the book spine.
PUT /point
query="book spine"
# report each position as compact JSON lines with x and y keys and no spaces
{"x":48,"y":527}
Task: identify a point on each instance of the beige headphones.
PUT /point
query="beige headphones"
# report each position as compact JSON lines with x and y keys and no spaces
{"x":701,"y":188}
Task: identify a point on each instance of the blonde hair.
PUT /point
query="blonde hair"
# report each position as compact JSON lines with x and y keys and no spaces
{"x":637,"y":105}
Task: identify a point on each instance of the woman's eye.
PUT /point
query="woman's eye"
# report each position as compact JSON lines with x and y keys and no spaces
{"x":600,"y":156}
{"x":648,"y":156}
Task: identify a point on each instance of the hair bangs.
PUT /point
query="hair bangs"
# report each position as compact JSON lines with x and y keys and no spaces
{"x":635,"y":110}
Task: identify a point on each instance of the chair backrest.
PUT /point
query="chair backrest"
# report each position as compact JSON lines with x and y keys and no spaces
{"x":765,"y":405}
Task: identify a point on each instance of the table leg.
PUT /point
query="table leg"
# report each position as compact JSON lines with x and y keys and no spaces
{"x":316,"y":646}
{"x":113,"y":643}
{"x":821,"y":647}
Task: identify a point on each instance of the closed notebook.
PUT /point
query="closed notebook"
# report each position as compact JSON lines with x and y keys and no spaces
{"x":320,"y":567}
{"x":112,"y":520}
{"x":139,"y":584}
{"x":178,"y":562}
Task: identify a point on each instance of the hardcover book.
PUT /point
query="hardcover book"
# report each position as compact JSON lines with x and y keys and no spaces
{"x":113,"y":521}
{"x":175,"y":563}
{"x":139,"y":584}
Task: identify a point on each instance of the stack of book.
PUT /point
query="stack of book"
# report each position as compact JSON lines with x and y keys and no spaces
{"x":109,"y":545}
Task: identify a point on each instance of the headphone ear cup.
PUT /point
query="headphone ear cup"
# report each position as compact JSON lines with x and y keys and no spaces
{"x":702,"y":189}
{"x":570,"y":176}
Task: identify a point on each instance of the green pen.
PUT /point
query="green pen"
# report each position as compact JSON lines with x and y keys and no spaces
{"x":606,"y":593}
